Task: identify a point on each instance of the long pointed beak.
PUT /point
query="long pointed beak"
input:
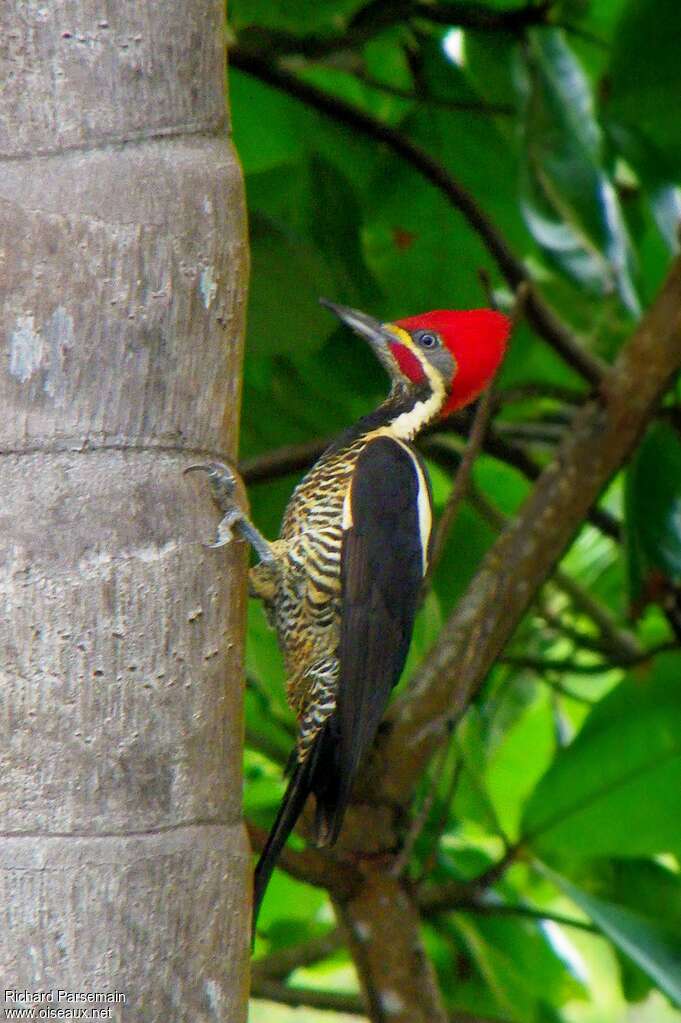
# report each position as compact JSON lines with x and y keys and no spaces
{"x":377,"y":334}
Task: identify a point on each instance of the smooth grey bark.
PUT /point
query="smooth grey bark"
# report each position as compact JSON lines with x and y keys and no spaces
{"x":124,"y":865}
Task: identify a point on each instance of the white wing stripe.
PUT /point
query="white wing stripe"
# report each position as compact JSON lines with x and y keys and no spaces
{"x":423,"y":505}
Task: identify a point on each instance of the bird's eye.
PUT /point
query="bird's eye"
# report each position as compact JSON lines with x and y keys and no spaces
{"x":427,"y":340}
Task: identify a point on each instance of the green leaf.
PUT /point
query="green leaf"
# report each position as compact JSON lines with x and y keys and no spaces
{"x":335,"y":223}
{"x":651,"y":944}
{"x":569,"y":202}
{"x":283,"y":141}
{"x":646,"y":887}
{"x":469,"y":540}
{"x":653,"y":508}
{"x":615,"y":789}
{"x":303,"y":17}
{"x":289,"y":273}
{"x":645,"y":72}
{"x":511,"y":774}
{"x":519,"y":966}
{"x":427,"y":628}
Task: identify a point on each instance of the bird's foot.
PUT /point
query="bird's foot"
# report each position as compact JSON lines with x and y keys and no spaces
{"x":224,"y":485}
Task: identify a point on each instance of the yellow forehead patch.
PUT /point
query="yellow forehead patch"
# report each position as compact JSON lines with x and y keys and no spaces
{"x":401,"y":335}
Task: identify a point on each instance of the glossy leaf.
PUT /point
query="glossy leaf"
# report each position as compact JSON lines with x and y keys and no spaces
{"x":511,"y":774}
{"x":653,"y":503}
{"x":569,"y":202}
{"x":288,"y":273}
{"x":302,"y":17}
{"x":614,"y":789}
{"x":645,"y":73}
{"x":651,"y":944}
{"x":519,"y":967}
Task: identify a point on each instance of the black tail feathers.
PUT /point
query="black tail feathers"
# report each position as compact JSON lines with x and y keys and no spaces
{"x":320,"y":774}
{"x":292,"y":804}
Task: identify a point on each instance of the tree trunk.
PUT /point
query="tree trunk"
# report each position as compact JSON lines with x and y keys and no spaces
{"x":124,"y":866}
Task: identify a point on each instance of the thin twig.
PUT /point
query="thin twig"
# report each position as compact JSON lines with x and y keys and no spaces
{"x":461,"y":483}
{"x":535,"y":431}
{"x":540,"y":389}
{"x":283,"y":461}
{"x":482,"y":908}
{"x":434,"y":898}
{"x":620,"y":641}
{"x":437,"y":445}
{"x":458,"y":106}
{"x":418,"y":822}
{"x":560,"y":689}
{"x":429,"y":860}
{"x":279,"y":964}
{"x":567,"y":666}
{"x":311,"y":998}
{"x":562,"y":666}
{"x":580,"y":640}
{"x":382,"y":14}
{"x":617,"y":639}
{"x":541,"y":316}
{"x":474,"y":444}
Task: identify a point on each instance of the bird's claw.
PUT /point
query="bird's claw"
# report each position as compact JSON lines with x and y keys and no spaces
{"x":223,"y":484}
{"x":222,"y":479}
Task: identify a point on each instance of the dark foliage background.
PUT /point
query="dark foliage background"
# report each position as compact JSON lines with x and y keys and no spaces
{"x":392,"y":151}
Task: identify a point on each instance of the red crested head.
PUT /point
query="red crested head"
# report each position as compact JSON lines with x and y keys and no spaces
{"x":474,"y":338}
{"x":438,"y":361}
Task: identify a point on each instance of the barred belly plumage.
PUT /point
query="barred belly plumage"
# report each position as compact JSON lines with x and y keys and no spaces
{"x":305,"y":603}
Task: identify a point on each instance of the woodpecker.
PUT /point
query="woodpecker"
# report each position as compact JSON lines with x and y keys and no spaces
{"x":341,"y":584}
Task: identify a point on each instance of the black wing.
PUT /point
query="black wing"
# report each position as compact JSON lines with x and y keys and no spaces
{"x":386,"y":528}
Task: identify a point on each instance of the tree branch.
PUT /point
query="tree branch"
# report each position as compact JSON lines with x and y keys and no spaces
{"x":460,"y":106}
{"x":540,"y":315}
{"x":515,"y":456}
{"x":601,"y":438}
{"x":369,"y":21}
{"x":332,"y":1001}
{"x":436,"y":901}
{"x":382,"y":928}
{"x":279,"y":964}
{"x":283,"y":461}
{"x":340,"y":878}
{"x":570,"y":666}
